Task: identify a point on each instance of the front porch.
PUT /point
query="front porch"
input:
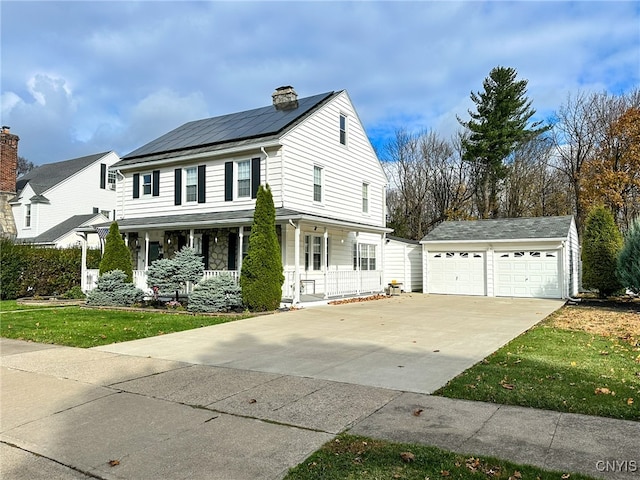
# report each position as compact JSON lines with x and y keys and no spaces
{"x":329,"y":285}
{"x":321,"y":257}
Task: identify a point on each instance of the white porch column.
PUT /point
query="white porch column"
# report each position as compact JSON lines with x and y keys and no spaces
{"x":325,"y":265}
{"x":83,"y":263}
{"x":358,"y":269}
{"x":296,"y":273}
{"x":240,"y":244}
{"x":191,"y":237}
{"x":380,"y":263}
{"x":146,"y":251}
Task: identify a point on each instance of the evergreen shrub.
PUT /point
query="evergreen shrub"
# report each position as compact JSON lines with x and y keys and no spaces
{"x":628,"y":266}
{"x":601,"y":245}
{"x":112,"y":289}
{"x":116,"y":254}
{"x":217,"y":294}
{"x":170,"y":274}
{"x":262,"y":277}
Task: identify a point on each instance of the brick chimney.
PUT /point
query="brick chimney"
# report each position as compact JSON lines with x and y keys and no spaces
{"x":8,"y":169}
{"x":285,"y":98}
{"x":8,"y":160}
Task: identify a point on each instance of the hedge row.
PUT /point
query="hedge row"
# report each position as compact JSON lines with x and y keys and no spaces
{"x":26,"y":270}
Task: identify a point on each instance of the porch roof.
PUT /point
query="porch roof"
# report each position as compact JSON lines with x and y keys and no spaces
{"x":231,"y":219}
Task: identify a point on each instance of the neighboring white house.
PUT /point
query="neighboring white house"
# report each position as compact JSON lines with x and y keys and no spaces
{"x":403,"y":263}
{"x":51,"y":198}
{"x":197,"y":184}
{"x":514,"y":257}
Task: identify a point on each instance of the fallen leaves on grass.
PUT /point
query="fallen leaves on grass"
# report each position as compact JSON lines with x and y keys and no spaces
{"x":407,"y":457}
{"x":604,"y":391}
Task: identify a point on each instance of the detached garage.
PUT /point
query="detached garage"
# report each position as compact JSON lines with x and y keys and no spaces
{"x":509,"y":257}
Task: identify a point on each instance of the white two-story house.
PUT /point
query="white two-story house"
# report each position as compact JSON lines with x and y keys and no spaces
{"x":52,"y":200}
{"x":197,"y":184}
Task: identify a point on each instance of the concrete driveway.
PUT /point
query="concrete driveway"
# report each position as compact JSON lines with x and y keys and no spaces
{"x":413,"y":342}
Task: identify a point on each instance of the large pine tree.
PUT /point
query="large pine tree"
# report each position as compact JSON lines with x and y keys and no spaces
{"x":494,"y":131}
{"x":116,"y":254}
{"x":261,"y":276}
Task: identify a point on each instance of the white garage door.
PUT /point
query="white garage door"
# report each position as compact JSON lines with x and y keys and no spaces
{"x":528,"y":274}
{"x":461,"y":273}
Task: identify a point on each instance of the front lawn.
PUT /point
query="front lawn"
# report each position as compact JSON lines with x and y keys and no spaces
{"x":350,"y":457}
{"x":582,"y":359}
{"x":85,"y":327}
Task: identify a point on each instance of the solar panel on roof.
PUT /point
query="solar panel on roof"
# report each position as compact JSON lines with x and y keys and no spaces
{"x":236,"y":126}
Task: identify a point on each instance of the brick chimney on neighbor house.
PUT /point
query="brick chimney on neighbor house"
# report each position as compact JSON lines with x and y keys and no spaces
{"x":285,"y":98}
{"x":8,"y":170}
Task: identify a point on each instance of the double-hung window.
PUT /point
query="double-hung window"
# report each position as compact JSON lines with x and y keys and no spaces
{"x":343,"y":129}
{"x":27,"y":215}
{"x":111,"y":179}
{"x":244,"y":179}
{"x":365,"y":198}
{"x":192,"y":184}
{"x":364,"y":255}
{"x":317,"y":184}
{"x":146,"y":184}
{"x":312,"y":252}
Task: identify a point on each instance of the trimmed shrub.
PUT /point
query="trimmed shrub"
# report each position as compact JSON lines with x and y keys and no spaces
{"x":26,"y":270}
{"x":116,"y":254}
{"x":628,"y":267}
{"x":217,"y":294}
{"x":170,"y":274}
{"x":74,"y":293}
{"x":601,"y":245}
{"x":112,"y":289}
{"x":261,"y":278}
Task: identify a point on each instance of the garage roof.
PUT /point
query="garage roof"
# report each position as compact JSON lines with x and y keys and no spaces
{"x":501,"y":229}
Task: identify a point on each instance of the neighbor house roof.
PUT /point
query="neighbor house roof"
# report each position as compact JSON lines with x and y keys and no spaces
{"x":62,"y":229}
{"x":44,"y":177}
{"x":226,"y":130}
{"x":501,"y":229}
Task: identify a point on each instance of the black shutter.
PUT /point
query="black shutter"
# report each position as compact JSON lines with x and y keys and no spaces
{"x":136,"y":185}
{"x":201,"y":183}
{"x":255,"y":176}
{"x":155,"y":183}
{"x":103,"y":175}
{"x":177,"y":186}
{"x":228,"y":181}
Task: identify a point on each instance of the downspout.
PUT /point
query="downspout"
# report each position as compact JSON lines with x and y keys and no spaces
{"x":122,"y":177}
{"x":296,"y":272}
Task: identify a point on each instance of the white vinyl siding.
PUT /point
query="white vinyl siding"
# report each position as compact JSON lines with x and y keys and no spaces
{"x":313,"y":143}
{"x":403,"y":263}
{"x":191,"y":184}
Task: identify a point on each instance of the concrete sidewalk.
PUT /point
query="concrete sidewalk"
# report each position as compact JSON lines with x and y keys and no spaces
{"x":72,"y":413}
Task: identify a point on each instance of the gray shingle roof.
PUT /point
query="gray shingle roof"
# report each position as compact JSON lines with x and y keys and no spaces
{"x":256,"y":123}
{"x":44,"y":177}
{"x":501,"y":229}
{"x":54,"y":233}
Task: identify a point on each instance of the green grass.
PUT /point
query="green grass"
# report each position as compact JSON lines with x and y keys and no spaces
{"x":350,"y":457}
{"x":9,"y":305}
{"x":557,"y":369}
{"x":84,"y":327}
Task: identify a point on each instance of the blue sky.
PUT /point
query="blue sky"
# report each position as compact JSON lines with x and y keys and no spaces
{"x":83,"y":77}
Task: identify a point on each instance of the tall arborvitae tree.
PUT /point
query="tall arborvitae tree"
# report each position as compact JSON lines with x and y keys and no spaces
{"x":601,"y":245}
{"x":629,"y":259}
{"x":116,"y":254}
{"x":498,"y":126}
{"x":261,"y":277}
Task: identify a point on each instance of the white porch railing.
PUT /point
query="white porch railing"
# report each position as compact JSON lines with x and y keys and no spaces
{"x":339,"y":282}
